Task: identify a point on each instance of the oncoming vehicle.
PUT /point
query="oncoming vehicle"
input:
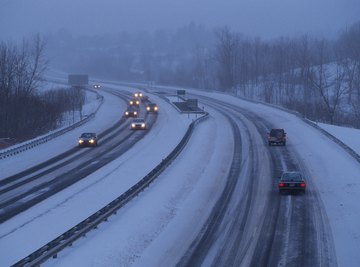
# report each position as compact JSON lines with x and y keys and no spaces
{"x":277,"y":137}
{"x":151,"y":107}
{"x":292,"y":182}
{"x":87,"y":139}
{"x":131,"y":112}
{"x":137,"y":94}
{"x":134,"y":102}
{"x":138,"y":124}
{"x":97,"y":86}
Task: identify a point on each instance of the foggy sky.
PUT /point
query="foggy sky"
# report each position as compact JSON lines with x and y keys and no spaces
{"x":264,"y":18}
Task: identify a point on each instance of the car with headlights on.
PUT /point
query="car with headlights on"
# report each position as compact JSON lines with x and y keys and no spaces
{"x":151,"y":107}
{"x":134,"y":102}
{"x":88,"y":139}
{"x":138,"y":124}
{"x":97,"y":86}
{"x":291,"y":182}
{"x":131,"y":112}
{"x":137,"y":95}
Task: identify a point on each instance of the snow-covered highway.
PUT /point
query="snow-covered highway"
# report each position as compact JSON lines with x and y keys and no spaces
{"x":157,"y":228}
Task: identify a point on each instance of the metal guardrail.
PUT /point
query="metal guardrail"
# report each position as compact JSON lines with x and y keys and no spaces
{"x":31,"y":144}
{"x":170,"y":102}
{"x":66,"y":239}
{"x":348,"y":149}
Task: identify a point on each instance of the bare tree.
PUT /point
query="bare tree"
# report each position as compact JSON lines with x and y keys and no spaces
{"x":21,"y":68}
{"x":226,"y":56}
{"x":36,"y":63}
{"x":203,"y":76}
{"x":349,"y":53}
{"x":328,"y":80}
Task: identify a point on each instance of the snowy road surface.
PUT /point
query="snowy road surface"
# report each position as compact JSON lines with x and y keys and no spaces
{"x":156,"y":228}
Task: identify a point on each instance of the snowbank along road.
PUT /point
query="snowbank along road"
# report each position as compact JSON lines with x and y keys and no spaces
{"x":217,"y":204}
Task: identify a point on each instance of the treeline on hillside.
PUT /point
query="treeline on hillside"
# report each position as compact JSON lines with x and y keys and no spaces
{"x":319,"y":78}
{"x":24,"y":112}
{"x":315,"y":76}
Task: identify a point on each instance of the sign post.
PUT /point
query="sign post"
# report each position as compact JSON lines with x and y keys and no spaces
{"x":180,"y":93}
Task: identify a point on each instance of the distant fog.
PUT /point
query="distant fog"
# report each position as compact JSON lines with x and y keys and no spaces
{"x":264,"y":18}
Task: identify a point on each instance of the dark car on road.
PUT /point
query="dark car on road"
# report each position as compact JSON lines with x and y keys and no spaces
{"x":131,"y":112}
{"x":88,"y":139}
{"x":151,"y":107}
{"x":277,"y":137}
{"x":292,"y":182}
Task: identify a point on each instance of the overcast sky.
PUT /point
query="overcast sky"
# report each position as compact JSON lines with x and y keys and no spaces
{"x":264,"y":18}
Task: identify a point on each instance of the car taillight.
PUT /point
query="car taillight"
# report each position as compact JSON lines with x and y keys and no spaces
{"x":302,"y":184}
{"x":281,"y":184}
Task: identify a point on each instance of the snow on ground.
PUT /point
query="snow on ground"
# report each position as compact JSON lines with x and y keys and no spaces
{"x":155,"y":228}
{"x":109,"y":113}
{"x":334,"y":172}
{"x":91,"y":105}
{"x":175,"y":204}
{"x":89,"y":195}
{"x":349,"y":136}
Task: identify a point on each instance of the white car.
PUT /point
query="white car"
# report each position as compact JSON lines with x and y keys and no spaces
{"x":138,"y":124}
